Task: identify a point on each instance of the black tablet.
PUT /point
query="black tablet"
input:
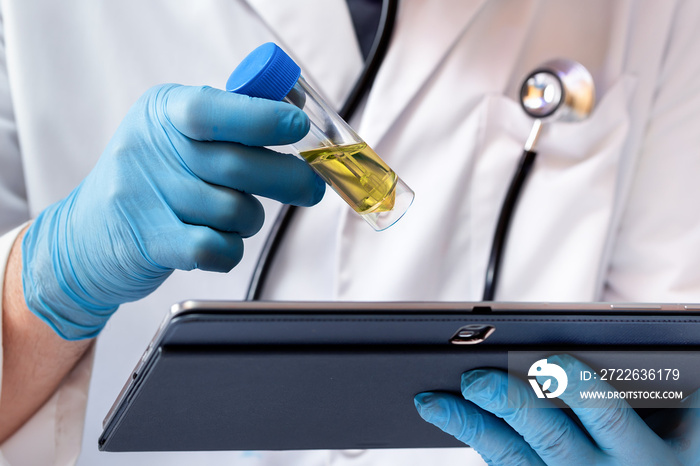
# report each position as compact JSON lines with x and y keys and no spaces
{"x":296,"y":375}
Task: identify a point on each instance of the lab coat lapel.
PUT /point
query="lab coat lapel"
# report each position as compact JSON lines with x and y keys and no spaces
{"x":412,"y":58}
{"x":330,"y":58}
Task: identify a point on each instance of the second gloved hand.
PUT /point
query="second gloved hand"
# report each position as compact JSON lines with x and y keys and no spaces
{"x":173,"y":190}
{"x":502,"y":418}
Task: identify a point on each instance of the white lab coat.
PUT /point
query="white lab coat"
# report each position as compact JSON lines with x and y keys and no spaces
{"x":609,"y":213}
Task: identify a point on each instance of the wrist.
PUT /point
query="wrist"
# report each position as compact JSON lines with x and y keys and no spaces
{"x":51,"y":289}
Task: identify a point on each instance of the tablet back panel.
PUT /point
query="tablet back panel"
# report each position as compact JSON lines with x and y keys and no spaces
{"x":247,"y":378}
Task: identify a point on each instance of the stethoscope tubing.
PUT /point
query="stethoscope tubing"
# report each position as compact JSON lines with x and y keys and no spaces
{"x":498,"y":245}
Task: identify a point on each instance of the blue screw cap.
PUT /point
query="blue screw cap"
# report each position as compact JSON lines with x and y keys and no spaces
{"x":267,"y":72}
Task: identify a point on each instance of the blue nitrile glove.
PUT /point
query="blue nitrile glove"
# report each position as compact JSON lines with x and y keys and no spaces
{"x":173,"y":190}
{"x":516,"y":427}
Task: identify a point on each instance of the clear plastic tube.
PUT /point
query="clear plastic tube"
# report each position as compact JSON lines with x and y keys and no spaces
{"x":332,"y":148}
{"x":350,"y":166}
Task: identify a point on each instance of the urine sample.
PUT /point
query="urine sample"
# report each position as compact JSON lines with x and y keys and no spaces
{"x":332,"y":148}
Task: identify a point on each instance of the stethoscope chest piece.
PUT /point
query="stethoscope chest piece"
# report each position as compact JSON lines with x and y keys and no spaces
{"x":560,"y":90}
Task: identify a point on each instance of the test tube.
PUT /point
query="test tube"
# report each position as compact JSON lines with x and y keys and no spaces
{"x":331,"y":148}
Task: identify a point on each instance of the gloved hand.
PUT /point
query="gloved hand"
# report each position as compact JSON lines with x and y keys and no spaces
{"x":515,"y":427}
{"x":173,"y":190}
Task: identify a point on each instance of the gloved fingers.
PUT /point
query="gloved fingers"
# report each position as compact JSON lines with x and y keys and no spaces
{"x":188,"y":247}
{"x":224,"y":209}
{"x":490,"y":436}
{"x":208,"y":114}
{"x":555,"y":437}
{"x":256,"y":170}
{"x":608,"y":421}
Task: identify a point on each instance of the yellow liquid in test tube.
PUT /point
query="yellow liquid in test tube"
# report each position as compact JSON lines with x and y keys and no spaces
{"x":357,"y":174}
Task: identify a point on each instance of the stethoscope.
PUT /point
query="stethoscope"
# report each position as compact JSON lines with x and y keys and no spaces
{"x":559,"y":90}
